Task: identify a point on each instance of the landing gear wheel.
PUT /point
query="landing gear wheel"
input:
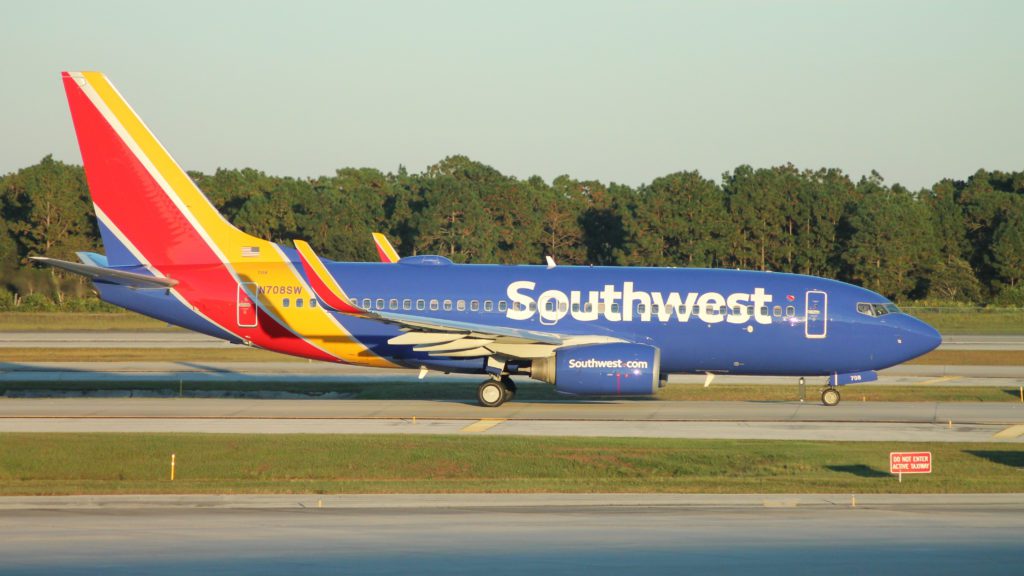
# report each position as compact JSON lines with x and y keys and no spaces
{"x":510,"y":388}
{"x":491,"y":394}
{"x":830,"y":396}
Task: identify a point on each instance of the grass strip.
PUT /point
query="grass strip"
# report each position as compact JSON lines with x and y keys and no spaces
{"x":52,"y":464}
{"x":461,"y":389}
{"x":80,"y":321}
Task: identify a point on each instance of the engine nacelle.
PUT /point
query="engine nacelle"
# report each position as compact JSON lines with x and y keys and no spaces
{"x":601,"y":369}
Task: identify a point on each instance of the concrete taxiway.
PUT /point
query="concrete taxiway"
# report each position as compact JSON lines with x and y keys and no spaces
{"x":854,"y":421}
{"x":513,"y":534}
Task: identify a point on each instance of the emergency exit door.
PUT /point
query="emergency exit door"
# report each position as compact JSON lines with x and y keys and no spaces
{"x":816,"y":324}
{"x":246,"y":311}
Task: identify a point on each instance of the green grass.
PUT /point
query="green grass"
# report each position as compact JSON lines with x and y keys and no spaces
{"x":50,"y":464}
{"x":75,"y":321}
{"x":973,"y":320}
{"x":465,"y":390}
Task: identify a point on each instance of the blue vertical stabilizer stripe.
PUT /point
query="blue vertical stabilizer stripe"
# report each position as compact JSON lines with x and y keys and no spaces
{"x":117,"y":253}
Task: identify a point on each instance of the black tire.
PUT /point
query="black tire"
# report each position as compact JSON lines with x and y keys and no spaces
{"x":830,"y":396}
{"x":491,"y":394}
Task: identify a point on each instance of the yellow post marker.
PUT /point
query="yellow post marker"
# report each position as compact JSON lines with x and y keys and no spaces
{"x":172,"y":466}
{"x":950,"y":423}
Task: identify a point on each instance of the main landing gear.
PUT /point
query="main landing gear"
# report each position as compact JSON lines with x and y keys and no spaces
{"x":494,"y":392}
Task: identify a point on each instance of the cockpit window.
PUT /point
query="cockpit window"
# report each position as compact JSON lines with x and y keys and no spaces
{"x":876,"y":310}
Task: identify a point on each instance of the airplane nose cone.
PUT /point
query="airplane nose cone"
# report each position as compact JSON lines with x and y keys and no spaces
{"x":918,"y":338}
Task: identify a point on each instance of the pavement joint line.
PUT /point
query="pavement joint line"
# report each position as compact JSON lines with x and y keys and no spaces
{"x":1012,"y":432}
{"x":937,"y":380}
{"x":499,"y":420}
{"x":483,"y":425}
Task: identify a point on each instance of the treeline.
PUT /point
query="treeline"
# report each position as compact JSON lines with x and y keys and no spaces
{"x":957,"y":241}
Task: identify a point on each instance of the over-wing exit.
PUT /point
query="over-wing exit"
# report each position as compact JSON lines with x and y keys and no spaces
{"x":169,"y":254}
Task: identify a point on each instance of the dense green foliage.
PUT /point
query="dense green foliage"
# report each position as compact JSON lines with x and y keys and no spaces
{"x":958,"y":241}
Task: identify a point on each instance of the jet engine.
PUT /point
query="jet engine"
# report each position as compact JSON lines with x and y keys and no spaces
{"x":601,"y":369}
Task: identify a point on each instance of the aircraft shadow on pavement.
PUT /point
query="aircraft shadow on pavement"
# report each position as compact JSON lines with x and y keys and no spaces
{"x":861,"y":470}
{"x":1004,"y":457}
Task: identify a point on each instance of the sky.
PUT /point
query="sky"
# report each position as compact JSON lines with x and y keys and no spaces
{"x":614,"y":91}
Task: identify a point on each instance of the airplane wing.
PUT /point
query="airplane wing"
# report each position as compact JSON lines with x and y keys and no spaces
{"x":385,"y":250}
{"x":449,"y":338}
{"x":97,"y":273}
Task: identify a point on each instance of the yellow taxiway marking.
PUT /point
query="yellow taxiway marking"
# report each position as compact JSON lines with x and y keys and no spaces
{"x":1011,"y":432}
{"x":483,"y":425}
{"x":937,"y":380}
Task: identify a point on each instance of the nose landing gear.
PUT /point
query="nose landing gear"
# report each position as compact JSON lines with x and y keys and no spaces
{"x":830,"y":396}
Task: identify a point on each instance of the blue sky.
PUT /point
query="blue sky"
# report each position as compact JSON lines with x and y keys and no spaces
{"x":614,"y":91}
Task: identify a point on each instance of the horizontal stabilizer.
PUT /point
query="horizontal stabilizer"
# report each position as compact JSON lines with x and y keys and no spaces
{"x":108,"y":275}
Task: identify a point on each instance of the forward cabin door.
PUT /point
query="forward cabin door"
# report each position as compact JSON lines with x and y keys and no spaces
{"x":246,"y":311}
{"x":816,"y":325}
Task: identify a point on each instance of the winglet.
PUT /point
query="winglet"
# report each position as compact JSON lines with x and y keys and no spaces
{"x":385,"y":250}
{"x":324,"y":286}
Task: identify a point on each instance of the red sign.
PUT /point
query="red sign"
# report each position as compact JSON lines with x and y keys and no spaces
{"x":910,"y":462}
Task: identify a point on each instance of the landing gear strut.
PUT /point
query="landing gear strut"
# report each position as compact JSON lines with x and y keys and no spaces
{"x":830,"y":396}
{"x":493,"y":393}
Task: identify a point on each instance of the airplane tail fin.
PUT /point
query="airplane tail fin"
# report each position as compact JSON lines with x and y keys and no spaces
{"x":150,"y":212}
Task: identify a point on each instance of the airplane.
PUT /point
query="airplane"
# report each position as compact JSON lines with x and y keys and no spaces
{"x":587,"y":330}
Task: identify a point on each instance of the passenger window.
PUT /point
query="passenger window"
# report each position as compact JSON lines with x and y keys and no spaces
{"x":447,"y":305}
{"x":737,"y":310}
{"x":474,"y":305}
{"x":576,"y":307}
{"x":407,"y":304}
{"x":615,"y":308}
{"x":286,"y":302}
{"x":393,"y":304}
{"x":488,"y":306}
{"x":790,"y":311}
{"x":654,"y":309}
{"x":764,"y":310}
{"x":588,"y":307}
{"x":563,"y":306}
{"x":777,"y":311}
{"x":312,"y":302}
{"x":696,"y":309}
{"x":460,"y":305}
{"x":433,"y":305}
{"x":379,"y":304}
{"x":640,"y":308}
{"x":549,"y":305}
{"x":750,"y":310}
{"x":421,"y":304}
{"x":299,"y":302}
{"x":366,"y":303}
{"x":502,"y":305}
{"x":710,"y":309}
{"x":532,"y":307}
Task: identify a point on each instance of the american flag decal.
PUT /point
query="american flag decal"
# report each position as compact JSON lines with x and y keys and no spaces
{"x":250,"y":251}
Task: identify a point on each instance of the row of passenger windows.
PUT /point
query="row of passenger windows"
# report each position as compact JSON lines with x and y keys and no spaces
{"x":299,"y":302}
{"x":552,"y":306}
{"x":421,"y":304}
